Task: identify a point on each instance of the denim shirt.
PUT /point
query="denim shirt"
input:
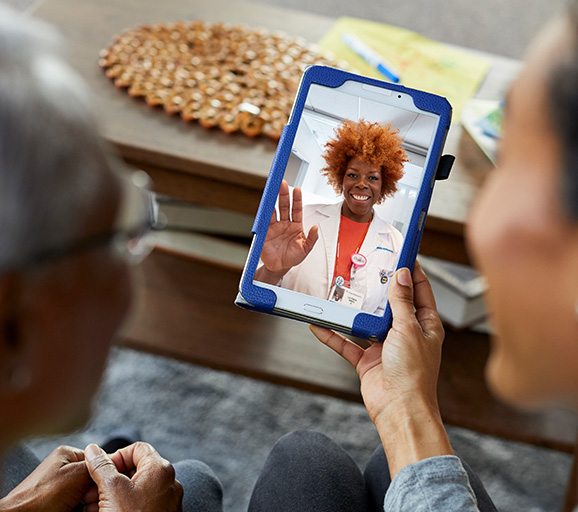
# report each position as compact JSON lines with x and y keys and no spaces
{"x":438,"y":484}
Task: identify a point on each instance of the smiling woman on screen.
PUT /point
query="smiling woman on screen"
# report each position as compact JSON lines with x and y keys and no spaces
{"x":349,"y":253}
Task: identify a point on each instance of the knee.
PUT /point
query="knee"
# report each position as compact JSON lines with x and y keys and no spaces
{"x":308,"y":449}
{"x":303,"y":441}
{"x":304,"y":470}
{"x":198,"y":472}
{"x":202,"y":488}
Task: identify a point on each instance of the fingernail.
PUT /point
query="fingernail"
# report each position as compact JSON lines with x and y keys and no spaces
{"x":92,"y":451}
{"x":404,"y":277}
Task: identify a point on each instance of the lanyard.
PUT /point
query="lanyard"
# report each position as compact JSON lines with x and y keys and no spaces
{"x":356,"y":251}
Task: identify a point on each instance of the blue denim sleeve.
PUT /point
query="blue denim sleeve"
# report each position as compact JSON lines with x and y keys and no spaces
{"x":431,"y":485}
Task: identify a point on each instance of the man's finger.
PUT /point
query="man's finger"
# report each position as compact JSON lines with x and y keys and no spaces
{"x":68,"y":453}
{"x":91,"y":496}
{"x":100,"y":467}
{"x":129,"y":457}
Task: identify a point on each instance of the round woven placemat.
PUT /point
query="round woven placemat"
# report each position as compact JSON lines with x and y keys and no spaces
{"x":231,"y":77}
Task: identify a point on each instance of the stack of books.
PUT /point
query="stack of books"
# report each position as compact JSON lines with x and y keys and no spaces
{"x":459,"y":292}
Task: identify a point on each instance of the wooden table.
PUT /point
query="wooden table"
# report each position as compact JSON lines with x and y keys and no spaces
{"x":214,"y":169}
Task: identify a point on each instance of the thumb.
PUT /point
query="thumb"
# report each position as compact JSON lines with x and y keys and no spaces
{"x":401,"y":296}
{"x":100,"y":466}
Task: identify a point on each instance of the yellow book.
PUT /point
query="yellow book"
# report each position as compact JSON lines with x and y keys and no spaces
{"x":420,"y":62}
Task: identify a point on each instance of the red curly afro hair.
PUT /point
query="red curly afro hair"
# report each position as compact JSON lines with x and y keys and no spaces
{"x":373,"y":143}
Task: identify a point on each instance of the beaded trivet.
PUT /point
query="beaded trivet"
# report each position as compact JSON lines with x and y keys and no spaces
{"x":231,"y":77}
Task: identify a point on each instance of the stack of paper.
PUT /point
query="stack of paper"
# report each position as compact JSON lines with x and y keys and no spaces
{"x":458,"y":290}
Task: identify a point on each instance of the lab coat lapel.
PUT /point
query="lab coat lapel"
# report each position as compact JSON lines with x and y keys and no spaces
{"x":377,"y":236}
{"x":328,"y":230}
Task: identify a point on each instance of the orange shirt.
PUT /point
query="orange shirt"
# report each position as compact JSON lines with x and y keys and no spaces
{"x":350,"y":238}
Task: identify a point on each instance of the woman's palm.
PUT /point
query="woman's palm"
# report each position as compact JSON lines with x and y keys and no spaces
{"x":286,"y":244}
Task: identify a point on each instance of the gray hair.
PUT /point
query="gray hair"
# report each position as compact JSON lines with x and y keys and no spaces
{"x":52,"y":163}
{"x":562,"y":90}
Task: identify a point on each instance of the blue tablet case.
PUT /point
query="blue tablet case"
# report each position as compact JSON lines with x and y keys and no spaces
{"x":365,"y":325}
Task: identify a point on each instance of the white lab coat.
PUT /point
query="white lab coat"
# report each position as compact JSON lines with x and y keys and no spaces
{"x":381,"y":247}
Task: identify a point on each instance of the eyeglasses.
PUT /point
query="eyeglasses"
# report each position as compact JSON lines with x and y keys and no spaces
{"x":127,"y":240}
{"x":137,"y":217}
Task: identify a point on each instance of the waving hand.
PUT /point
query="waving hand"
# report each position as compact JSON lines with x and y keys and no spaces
{"x":286,"y":244}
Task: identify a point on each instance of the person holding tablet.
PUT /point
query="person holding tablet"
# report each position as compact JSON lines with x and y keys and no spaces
{"x":348,"y":253}
{"x":523,"y":236}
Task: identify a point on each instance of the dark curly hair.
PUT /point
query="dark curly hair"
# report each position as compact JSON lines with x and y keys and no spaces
{"x":372,"y":143}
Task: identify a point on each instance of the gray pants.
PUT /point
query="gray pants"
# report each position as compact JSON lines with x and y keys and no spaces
{"x":307,"y":471}
{"x":202,"y":489}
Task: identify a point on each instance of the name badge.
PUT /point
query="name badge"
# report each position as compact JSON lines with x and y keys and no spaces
{"x":346,"y":296}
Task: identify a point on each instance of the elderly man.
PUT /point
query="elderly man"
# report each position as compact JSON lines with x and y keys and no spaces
{"x":69,"y":223}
